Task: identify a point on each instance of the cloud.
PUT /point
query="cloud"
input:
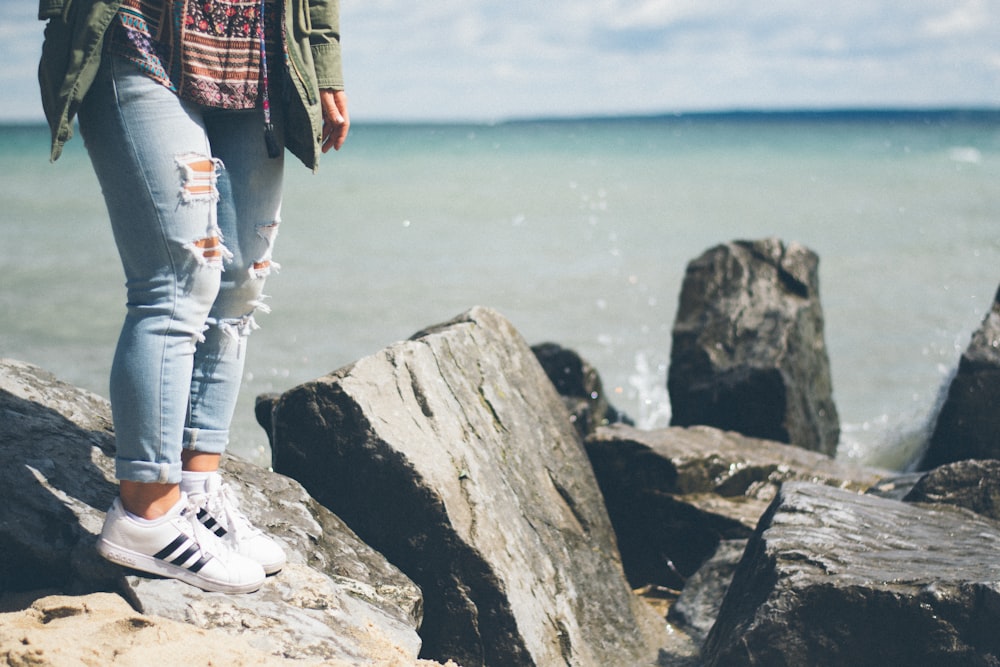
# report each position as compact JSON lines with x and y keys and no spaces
{"x":971,"y":17}
{"x":486,"y":60}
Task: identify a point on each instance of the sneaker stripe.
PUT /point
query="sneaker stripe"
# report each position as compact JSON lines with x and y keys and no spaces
{"x":171,"y":548}
{"x":200,"y":563}
{"x":209,"y":522}
{"x":186,"y":555}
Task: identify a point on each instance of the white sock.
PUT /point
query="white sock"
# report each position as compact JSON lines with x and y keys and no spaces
{"x":195,"y":483}
{"x":139,"y":519}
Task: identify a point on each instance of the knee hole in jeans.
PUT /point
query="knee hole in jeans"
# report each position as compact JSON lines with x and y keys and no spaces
{"x":199,"y":177}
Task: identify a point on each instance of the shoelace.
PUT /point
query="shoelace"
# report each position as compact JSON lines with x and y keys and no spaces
{"x":207,"y":542}
{"x":223,"y":505}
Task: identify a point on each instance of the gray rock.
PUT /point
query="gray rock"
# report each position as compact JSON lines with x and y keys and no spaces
{"x":673,"y":494}
{"x":968,"y":426}
{"x":453,"y":455}
{"x":55,"y":440}
{"x":697,"y":607}
{"x":832,"y":577}
{"x":974,"y":485}
{"x":580,"y":386}
{"x":748,"y":353}
{"x":338,"y":599}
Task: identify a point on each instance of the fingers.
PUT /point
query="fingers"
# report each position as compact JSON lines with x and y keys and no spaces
{"x":336,"y":120}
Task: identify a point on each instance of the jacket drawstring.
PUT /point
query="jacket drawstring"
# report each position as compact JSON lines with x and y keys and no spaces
{"x":270,"y":140}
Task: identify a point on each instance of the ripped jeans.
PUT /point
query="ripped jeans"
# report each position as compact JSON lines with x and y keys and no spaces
{"x":194,"y":203}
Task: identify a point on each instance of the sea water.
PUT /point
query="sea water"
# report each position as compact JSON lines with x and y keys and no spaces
{"x":579,"y":232}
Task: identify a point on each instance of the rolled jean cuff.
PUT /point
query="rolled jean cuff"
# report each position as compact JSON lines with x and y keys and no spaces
{"x":205,"y":440}
{"x":147,"y":472}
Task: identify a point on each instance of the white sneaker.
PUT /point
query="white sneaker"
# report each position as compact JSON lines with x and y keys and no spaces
{"x":219,"y":511}
{"x":176,"y":545}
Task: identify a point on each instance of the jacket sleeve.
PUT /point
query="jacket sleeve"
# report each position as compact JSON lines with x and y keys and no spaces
{"x":324,"y":40}
{"x":71,"y":55}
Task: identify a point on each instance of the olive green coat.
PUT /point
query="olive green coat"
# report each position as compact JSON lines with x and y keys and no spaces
{"x":71,"y":54}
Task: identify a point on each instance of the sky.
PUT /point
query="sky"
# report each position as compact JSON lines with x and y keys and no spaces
{"x":476,"y":60}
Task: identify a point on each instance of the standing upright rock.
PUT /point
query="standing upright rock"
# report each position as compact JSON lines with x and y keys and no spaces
{"x":748,"y":351}
{"x":453,"y":455}
{"x":968,"y":426}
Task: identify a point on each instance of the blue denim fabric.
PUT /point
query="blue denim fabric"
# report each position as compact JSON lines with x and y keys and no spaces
{"x":194,"y":203}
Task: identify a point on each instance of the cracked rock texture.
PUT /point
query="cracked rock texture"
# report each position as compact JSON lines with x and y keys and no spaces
{"x":453,"y":455}
{"x":833,"y":577}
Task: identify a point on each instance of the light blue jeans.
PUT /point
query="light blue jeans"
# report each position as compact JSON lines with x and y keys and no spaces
{"x":194,"y":203}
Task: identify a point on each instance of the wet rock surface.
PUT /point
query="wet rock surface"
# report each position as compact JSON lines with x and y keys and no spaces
{"x":832,"y":577}
{"x":968,"y":426}
{"x":453,"y":455}
{"x":749,"y":353}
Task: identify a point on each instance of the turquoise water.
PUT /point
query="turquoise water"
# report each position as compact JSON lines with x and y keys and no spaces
{"x":579,"y":232}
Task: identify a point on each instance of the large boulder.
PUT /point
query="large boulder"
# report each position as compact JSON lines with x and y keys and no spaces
{"x":453,"y":454}
{"x":337,"y":599}
{"x":748,"y":353}
{"x":674,"y":494}
{"x":833,"y":577}
{"x":968,"y":426}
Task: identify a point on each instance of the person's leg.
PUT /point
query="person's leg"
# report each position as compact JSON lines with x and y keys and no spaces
{"x":150,"y":153}
{"x":250,"y":187}
{"x":151,"y":156}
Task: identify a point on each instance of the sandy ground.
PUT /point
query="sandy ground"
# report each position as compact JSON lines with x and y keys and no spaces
{"x":102,"y":629}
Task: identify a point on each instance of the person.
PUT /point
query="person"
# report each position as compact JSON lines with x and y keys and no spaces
{"x":185,"y":107}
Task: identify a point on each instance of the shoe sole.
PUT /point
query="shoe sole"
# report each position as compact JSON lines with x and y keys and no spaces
{"x":272,"y":568}
{"x":149,"y":564}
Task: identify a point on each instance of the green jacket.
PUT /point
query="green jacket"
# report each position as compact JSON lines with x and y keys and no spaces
{"x":71,"y":54}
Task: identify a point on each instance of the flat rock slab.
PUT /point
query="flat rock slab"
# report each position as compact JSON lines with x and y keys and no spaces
{"x":833,"y":577}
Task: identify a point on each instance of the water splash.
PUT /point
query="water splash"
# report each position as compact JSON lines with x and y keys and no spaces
{"x":889,"y":442}
{"x":649,"y":390}
{"x":896,"y":442}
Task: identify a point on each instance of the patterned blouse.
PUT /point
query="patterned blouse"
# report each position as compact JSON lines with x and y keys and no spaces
{"x":206,"y":51}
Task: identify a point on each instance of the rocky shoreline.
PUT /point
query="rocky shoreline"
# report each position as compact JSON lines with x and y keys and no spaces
{"x":464,"y":498}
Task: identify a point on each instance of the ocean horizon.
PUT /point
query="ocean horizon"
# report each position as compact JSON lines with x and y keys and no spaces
{"x":579,"y":231}
{"x":921,"y":114}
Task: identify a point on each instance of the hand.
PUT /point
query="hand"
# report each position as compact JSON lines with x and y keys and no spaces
{"x":335,"y":118}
